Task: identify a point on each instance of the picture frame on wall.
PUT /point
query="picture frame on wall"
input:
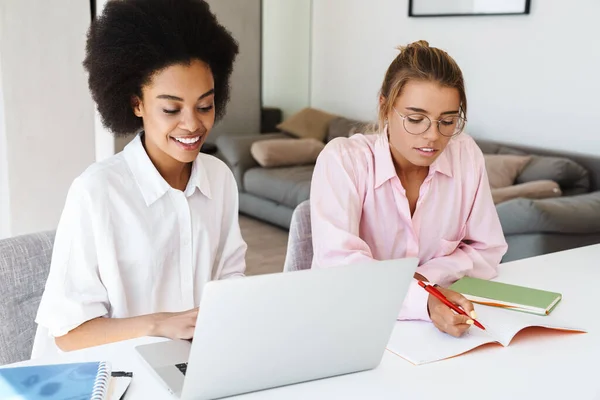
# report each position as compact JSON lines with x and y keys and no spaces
{"x":459,"y":8}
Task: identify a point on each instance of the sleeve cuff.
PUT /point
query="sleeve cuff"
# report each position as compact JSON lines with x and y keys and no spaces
{"x":445,"y":270}
{"x":59,"y":324}
{"x":235,"y":275}
{"x":415,"y":304}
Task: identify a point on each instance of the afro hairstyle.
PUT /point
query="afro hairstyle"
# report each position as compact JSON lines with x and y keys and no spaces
{"x":134,"y":39}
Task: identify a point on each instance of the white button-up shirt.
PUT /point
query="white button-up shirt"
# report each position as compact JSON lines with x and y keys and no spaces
{"x":128,"y":244}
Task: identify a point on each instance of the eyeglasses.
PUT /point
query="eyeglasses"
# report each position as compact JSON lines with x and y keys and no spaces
{"x":417,"y":124}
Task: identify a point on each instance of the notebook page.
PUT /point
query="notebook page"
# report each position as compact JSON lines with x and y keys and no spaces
{"x":421,"y":342}
{"x":504,"y":324}
{"x":118,"y":387}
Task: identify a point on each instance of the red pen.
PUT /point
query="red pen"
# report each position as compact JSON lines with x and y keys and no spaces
{"x":434,"y":292}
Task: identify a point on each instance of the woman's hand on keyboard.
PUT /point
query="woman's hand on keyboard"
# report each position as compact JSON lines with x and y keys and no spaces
{"x":179,"y":325}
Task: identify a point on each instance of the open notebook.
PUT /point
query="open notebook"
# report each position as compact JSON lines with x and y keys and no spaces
{"x":421,"y":342}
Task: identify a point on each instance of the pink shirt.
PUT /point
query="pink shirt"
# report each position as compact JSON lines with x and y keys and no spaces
{"x":360,"y":212}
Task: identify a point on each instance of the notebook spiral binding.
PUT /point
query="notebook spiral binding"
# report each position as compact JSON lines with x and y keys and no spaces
{"x":102,"y":380}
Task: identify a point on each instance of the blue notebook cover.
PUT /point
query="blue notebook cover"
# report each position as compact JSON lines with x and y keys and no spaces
{"x":76,"y":381}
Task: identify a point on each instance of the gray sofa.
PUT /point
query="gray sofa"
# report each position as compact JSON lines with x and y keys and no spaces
{"x":531,"y":227}
{"x":535,"y":227}
{"x":269,"y":194}
{"x":24,"y":268}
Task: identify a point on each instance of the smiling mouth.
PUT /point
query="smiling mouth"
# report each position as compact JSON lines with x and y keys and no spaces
{"x":188,"y":143}
{"x":187,"y":140}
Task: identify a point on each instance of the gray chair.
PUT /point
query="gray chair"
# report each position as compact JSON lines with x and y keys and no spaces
{"x":24,"y":267}
{"x":299,"y":253}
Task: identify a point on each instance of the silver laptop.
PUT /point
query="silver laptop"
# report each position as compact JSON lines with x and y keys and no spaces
{"x":272,"y":330}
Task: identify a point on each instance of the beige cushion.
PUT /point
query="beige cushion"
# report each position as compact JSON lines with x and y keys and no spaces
{"x":286,"y":152}
{"x":503,"y":169}
{"x":308,"y":123}
{"x":530,"y":190}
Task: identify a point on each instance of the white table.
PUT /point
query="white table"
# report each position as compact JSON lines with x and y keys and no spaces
{"x":547,"y":366}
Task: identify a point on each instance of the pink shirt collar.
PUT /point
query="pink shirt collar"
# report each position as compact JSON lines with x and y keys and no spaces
{"x":384,"y":165}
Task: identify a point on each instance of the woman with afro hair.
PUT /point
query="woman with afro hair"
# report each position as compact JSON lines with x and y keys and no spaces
{"x":143,"y":231}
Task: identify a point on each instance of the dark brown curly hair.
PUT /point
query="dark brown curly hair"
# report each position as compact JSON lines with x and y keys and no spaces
{"x":134,"y":39}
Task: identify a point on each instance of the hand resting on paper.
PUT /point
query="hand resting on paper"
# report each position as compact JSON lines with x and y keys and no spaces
{"x":447,"y":320}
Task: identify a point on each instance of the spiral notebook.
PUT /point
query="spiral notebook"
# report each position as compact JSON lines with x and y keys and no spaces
{"x":89,"y":380}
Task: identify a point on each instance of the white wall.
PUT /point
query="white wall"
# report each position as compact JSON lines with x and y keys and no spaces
{"x":48,"y":113}
{"x":242,"y":19}
{"x":104,"y":140}
{"x":286,"y":30}
{"x":531,"y":79}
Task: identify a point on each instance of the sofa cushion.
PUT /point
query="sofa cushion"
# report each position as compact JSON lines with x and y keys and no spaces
{"x":486,"y":146}
{"x":492,"y":147}
{"x":503,"y":169}
{"x":567,"y":173}
{"x":571,"y":175}
{"x":308,"y":123}
{"x":289,"y":186}
{"x":286,"y":152}
{"x":345,"y":127}
{"x":511,"y":150}
{"x":235,"y":151}
{"x":528,"y":190}
{"x":565,"y":215}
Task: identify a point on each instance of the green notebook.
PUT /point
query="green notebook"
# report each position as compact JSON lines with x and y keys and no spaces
{"x":513,"y":297}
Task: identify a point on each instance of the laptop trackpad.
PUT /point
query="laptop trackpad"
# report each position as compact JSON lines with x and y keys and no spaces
{"x":166,"y":353}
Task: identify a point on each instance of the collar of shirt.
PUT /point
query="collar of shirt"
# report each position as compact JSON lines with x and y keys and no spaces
{"x":152,"y":185}
{"x":385,"y":170}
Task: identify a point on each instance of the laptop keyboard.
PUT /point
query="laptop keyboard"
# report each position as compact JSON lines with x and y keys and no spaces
{"x":182,"y":367}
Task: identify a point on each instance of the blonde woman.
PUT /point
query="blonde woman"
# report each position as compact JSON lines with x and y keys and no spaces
{"x":418,"y":188}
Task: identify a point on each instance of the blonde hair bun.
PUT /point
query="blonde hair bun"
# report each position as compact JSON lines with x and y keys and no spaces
{"x":423,"y":44}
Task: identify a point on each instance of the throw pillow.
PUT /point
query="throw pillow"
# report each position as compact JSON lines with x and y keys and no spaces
{"x":569,"y":174}
{"x":286,"y":152}
{"x":308,"y":123}
{"x":529,"y":190}
{"x":503,"y":169}
{"x":345,"y":127}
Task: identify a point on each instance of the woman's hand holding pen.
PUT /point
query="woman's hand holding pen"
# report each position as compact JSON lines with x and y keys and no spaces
{"x":445,"y":319}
